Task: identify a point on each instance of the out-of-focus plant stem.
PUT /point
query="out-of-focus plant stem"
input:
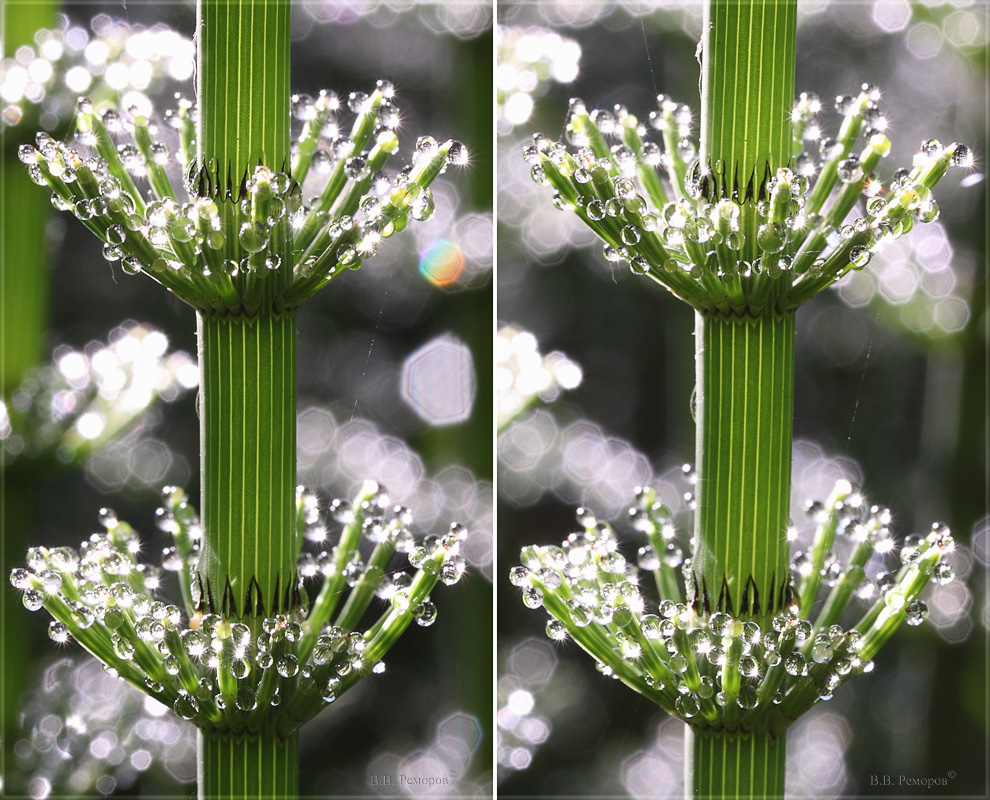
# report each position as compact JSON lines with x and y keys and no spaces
{"x":24,"y":296}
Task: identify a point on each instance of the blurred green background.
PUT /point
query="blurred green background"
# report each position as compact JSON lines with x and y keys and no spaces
{"x":890,"y":392}
{"x":368,"y":346}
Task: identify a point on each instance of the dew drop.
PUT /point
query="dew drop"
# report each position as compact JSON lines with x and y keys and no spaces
{"x":113,"y":618}
{"x":719,"y":623}
{"x":749,"y":667}
{"x":630,"y":235}
{"x":58,"y":632}
{"x":457,"y":154}
{"x":650,"y":625}
{"x":356,"y":167}
{"x":928,"y":210}
{"x":240,"y":668}
{"x":287,"y":666}
{"x":687,"y":705}
{"x":747,"y":697}
{"x":849,"y":170}
{"x":185,"y":706}
{"x":124,"y":648}
{"x":943,"y":573}
{"x":795,"y":664}
{"x":425,"y":614}
{"x":556,"y":630}
{"x":20,"y":578}
{"x":253,"y":236}
{"x":962,"y":156}
{"x":859,"y":256}
{"x":532,"y":597}
{"x":845,"y":104}
{"x":264,"y":660}
{"x":246,"y":700}
{"x":678,"y":663}
{"x":771,"y":237}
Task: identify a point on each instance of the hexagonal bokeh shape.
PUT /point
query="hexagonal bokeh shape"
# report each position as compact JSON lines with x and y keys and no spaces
{"x":924,"y":40}
{"x":981,"y":540}
{"x":892,"y":15}
{"x":533,"y":660}
{"x":461,"y":727}
{"x":952,"y":314}
{"x":439,"y":381}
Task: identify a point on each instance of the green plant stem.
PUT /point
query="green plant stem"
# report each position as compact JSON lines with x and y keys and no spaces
{"x":733,"y":766}
{"x":747,"y":92}
{"x":745,"y":372}
{"x":748,"y":57}
{"x":247,"y":370}
{"x":243,"y":87}
{"x":248,"y":458}
{"x":24,"y":272}
{"x":24,"y":306}
{"x":745,"y":409}
{"x":247,"y":767}
{"x":19,"y":634}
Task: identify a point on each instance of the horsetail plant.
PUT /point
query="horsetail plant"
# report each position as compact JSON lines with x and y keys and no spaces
{"x":247,"y":659}
{"x":745,"y":226}
{"x":45,"y":68}
{"x":241,"y":678}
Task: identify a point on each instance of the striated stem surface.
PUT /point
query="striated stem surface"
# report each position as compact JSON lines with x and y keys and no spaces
{"x":246,"y":768}
{"x":248,"y":462}
{"x":733,"y":767}
{"x":745,"y":410}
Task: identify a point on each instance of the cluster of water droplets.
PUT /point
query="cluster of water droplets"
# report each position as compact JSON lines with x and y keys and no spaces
{"x":524,"y":376}
{"x":242,"y":675}
{"x":82,"y":734}
{"x":528,"y":59}
{"x":62,"y":412}
{"x":771,"y":243}
{"x":727,"y":672}
{"x":229,"y":244}
{"x":39,"y":82}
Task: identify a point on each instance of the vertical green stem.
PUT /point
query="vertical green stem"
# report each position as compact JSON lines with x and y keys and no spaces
{"x":745,"y":372}
{"x":720,"y":766}
{"x":247,"y":372}
{"x":747,"y":91}
{"x":745,"y":408}
{"x":248,"y":461}
{"x":236,"y":768}
{"x":243,"y":86}
{"x":25,"y":277}
{"x":24,"y":272}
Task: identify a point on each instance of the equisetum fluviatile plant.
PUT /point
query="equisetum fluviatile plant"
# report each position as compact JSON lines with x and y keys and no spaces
{"x":220,"y":672}
{"x":247,"y":657}
{"x":745,"y":224}
{"x":43,"y":70}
